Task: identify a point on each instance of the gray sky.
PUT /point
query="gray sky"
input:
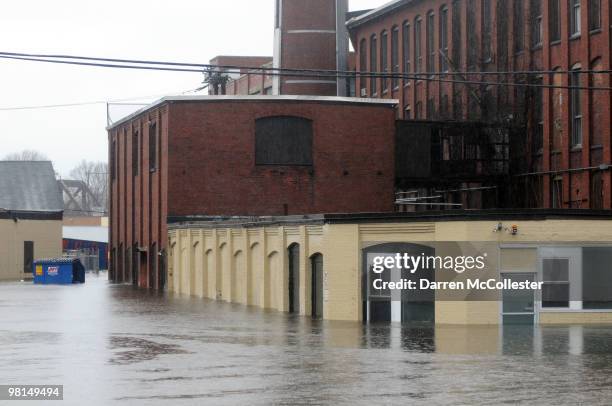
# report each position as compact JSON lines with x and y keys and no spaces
{"x":186,"y":31}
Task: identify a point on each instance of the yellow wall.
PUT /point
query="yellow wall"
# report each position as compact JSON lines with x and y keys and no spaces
{"x":249,"y":265}
{"x":47,"y":238}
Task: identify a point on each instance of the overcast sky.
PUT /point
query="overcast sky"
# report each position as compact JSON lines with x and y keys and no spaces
{"x":181,"y":30}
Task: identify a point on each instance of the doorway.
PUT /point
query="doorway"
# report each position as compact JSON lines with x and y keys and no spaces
{"x":28,"y":256}
{"x":518,"y":306}
{"x":294,"y":278}
{"x":316,"y":263}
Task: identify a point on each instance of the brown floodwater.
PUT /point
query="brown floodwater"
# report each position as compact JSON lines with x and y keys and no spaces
{"x":114,"y":344}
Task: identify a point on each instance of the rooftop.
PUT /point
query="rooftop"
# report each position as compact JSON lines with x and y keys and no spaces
{"x":377,"y":12}
{"x":258,"y":98}
{"x":29,"y":187}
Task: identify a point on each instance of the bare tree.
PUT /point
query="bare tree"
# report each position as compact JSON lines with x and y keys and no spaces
{"x":26,"y":155}
{"x":94,"y":177}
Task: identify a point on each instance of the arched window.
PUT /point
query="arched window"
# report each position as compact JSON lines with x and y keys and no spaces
{"x":373,"y":64}
{"x":384,"y":59}
{"x":418,"y":55}
{"x":283,"y":140}
{"x":444,"y":39}
{"x":363,"y":65}
{"x":395,"y":56}
{"x":406,"y":48}
{"x":431,"y":49}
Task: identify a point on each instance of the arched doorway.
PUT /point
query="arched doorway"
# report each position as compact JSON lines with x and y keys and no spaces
{"x":316,"y":268}
{"x":294,"y":278}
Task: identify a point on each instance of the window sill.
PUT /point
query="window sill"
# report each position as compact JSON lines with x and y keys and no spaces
{"x":555,"y":42}
{"x":595,"y":31}
{"x":575,"y":37}
{"x":576,"y":148}
{"x":537,"y":47}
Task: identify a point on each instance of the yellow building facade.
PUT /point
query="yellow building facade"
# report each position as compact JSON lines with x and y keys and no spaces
{"x":17,"y":234}
{"x":316,"y":265}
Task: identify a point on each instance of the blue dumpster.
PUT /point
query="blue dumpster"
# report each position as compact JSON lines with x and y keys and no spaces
{"x":58,"y":271}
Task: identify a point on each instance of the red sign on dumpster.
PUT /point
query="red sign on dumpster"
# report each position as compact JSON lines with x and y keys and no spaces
{"x":53,"y":270}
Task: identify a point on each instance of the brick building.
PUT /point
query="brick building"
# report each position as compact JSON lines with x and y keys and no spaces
{"x":248,"y":156}
{"x":563,"y":154}
{"x":307,"y":35}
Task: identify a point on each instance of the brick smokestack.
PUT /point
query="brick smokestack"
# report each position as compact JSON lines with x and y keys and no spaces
{"x":310,"y":35}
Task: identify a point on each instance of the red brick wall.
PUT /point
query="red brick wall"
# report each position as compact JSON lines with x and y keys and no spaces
{"x":590,"y":46}
{"x":206,"y":167}
{"x":212,"y":169}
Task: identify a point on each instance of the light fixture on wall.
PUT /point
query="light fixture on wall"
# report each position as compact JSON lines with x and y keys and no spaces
{"x":513,"y":230}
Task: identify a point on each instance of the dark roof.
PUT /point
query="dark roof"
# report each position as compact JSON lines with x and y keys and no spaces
{"x":29,"y":186}
{"x":177,"y":222}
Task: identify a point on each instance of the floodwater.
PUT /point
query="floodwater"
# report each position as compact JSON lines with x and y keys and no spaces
{"x":110,"y":344}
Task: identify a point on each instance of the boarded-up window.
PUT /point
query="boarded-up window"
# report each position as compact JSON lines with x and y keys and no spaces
{"x":283,"y":140}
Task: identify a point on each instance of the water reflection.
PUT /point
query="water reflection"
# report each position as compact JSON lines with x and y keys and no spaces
{"x":109,"y":343}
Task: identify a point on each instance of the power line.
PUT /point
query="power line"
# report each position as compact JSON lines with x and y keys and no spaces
{"x":425,"y":76}
{"x":119,"y":102}
{"x":263,"y":68}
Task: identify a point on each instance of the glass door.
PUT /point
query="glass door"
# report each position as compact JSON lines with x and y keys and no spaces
{"x":518,"y":306}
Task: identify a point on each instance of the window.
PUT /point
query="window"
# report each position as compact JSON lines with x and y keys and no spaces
{"x":431,"y":50}
{"x":554,"y":15}
{"x":575,"y":106}
{"x":407,"y":113}
{"x":594,"y":15}
{"x":363,"y":65}
{"x":135,"y":146}
{"x":444,"y":39}
{"x":418,"y":57}
{"x":373,"y":64}
{"x":283,"y":140}
{"x":418,"y":111}
{"x":557,"y":193}
{"x":487,"y":30}
{"x":538,"y":117}
{"x":153,"y":147}
{"x":456,"y":27}
{"x":596,"y":278}
{"x":472,"y":40}
{"x":384,"y":60}
{"x":536,"y":23}
{"x":555,"y":278}
{"x":113,"y":160}
{"x":574,"y":10}
{"x":395,"y":56}
{"x":406,"y":47}
{"x":518,"y":27}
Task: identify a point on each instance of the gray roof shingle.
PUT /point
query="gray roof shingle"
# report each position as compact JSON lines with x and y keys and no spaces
{"x":29,"y":186}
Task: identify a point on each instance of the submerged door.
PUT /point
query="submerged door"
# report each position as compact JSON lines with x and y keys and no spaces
{"x":317,"y":286}
{"x":294,"y":278}
{"x":518,"y":306}
{"x":28,"y":256}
